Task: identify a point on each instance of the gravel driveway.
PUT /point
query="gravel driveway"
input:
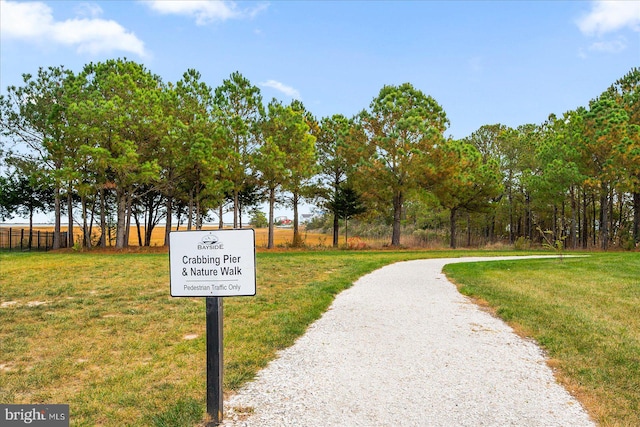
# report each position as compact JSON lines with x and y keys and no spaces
{"x":402,"y":347}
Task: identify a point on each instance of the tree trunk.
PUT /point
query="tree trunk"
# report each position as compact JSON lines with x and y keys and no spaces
{"x":103,"y":219}
{"x":70,"y":219}
{"x":573,"y":236}
{"x":151,"y":219}
{"x":528,"y":223}
{"x":57,"y":212}
{"x":336,"y":220}
{"x":86,"y":240}
{"x":168,"y":218}
{"x":604,"y":218}
{"x":198,"y":212}
{"x":636,"y":218}
{"x":121,"y":225}
{"x":398,"y":200}
{"x":511,"y":224}
{"x":30,"y":240}
{"x":91,"y":220}
{"x":236,"y":208}
{"x":555,"y":223}
{"x":585,"y":221}
{"x":272,"y":202}
{"x":190,"y":211}
{"x":137,"y":220}
{"x":127,"y":227}
{"x":595,"y":229}
{"x":297,"y":240}
{"x":452,"y":224}
{"x":611,"y":229}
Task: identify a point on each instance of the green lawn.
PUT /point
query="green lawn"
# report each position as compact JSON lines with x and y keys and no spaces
{"x":583,"y":312}
{"x":101,"y":333}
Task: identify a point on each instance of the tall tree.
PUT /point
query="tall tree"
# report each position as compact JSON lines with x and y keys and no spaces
{"x":33,"y":117}
{"x":559,"y":173}
{"x":189,"y":155}
{"x":626,"y":93}
{"x":241,"y":108}
{"x":122,"y":98}
{"x":345,"y":204}
{"x":402,"y":125}
{"x":604,"y":125}
{"x":302,"y":165}
{"x":285,"y":132}
{"x":489,"y":141}
{"x":26,"y":190}
{"x":469,"y":181}
{"x":339,"y":146}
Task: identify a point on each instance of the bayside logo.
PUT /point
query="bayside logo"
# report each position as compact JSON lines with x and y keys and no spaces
{"x":210,"y":241}
{"x":35,"y":415}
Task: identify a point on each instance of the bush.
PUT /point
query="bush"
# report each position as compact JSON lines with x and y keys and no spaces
{"x":522,"y":243}
{"x":258,"y":219}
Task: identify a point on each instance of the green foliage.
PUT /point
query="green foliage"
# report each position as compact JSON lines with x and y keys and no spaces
{"x":115,"y":140}
{"x":468,"y":181}
{"x":287,"y":156}
{"x":522,"y":243}
{"x":346,"y":203}
{"x":556,"y":245}
{"x":240,"y":114}
{"x":402,"y":127}
{"x":258,"y":219}
{"x":26,"y":189}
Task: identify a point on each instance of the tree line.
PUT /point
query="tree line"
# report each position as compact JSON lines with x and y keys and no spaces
{"x":114,"y":143}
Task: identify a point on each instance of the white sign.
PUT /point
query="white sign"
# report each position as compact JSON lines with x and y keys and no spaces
{"x":212,"y":263}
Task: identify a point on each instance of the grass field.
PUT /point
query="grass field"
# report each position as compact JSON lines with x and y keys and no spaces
{"x":100,"y":332}
{"x":283,"y":237}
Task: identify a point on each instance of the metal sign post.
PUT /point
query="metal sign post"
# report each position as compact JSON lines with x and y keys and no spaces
{"x":215,"y":360}
{"x":213,"y":264}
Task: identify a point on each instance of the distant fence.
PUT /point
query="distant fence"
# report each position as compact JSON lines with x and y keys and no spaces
{"x":19,"y":239}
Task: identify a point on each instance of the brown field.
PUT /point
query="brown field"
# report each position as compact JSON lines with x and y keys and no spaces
{"x":282,"y":237}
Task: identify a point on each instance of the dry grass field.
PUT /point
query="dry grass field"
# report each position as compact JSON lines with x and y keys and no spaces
{"x":283,"y":237}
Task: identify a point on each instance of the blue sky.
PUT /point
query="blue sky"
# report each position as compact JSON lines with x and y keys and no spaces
{"x":485,"y":62}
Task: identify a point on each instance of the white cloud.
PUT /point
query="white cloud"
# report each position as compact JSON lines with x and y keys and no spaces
{"x":24,"y":20}
{"x":611,"y":46}
{"x":96,"y":36}
{"x":91,"y":10}
{"x":608,"y":16}
{"x":34,"y":22}
{"x":287,"y":90}
{"x":204,"y":11}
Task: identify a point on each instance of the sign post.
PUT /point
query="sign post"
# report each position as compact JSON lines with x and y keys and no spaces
{"x":215,"y":360}
{"x":213,"y":264}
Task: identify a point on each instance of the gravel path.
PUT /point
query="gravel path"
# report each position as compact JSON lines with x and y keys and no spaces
{"x":402,"y":347}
